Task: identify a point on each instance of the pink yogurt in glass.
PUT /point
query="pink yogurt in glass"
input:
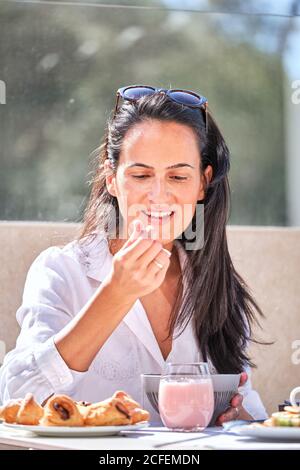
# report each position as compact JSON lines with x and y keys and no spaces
{"x":186,"y":404}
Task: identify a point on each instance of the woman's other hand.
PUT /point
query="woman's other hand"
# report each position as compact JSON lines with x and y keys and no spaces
{"x":236,"y":410}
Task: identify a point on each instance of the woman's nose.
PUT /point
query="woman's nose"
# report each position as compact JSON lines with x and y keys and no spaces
{"x":159,"y":189}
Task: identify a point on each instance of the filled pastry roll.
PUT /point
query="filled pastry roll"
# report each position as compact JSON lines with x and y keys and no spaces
{"x":136,"y":411}
{"x":110,"y":412}
{"x":61,"y":410}
{"x":30,"y":412}
{"x":8,"y":412}
{"x":82,"y":407}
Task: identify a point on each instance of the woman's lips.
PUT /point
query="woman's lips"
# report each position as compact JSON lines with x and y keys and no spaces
{"x":158,"y":220}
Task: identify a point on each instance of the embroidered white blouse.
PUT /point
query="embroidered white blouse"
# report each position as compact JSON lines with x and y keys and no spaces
{"x":59,"y":283}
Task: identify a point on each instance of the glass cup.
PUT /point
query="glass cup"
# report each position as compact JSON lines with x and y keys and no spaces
{"x":186,"y":397}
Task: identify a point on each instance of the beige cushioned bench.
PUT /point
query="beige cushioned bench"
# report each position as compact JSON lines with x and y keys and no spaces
{"x":268,"y":258}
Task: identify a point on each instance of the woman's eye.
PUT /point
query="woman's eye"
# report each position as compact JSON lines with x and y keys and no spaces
{"x":177,"y":178}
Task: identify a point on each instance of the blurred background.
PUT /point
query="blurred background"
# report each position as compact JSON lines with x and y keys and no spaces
{"x":61,"y":63}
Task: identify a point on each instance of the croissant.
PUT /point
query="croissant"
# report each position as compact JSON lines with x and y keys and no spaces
{"x":136,"y":411}
{"x":82,"y":407}
{"x":30,"y":412}
{"x":83,"y":403}
{"x":61,"y":410}
{"x":8,"y":412}
{"x":110,"y":412}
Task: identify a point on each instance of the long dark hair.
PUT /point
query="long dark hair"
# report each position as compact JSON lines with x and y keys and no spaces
{"x":217,"y":300}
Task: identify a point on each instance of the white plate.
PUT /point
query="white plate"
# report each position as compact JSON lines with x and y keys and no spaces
{"x":278,"y":433}
{"x":80,"y":431}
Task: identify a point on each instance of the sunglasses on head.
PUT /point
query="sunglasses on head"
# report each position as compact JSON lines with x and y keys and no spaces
{"x":185,"y":97}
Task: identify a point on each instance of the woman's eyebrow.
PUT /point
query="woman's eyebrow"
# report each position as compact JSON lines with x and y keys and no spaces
{"x":177,"y":165}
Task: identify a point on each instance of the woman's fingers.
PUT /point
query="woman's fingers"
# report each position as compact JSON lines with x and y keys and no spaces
{"x":136,"y":248}
{"x":157,"y":252}
{"x":243,"y":379}
{"x":133,"y":265}
{"x":231,"y":413}
{"x":228,"y":415}
{"x":138,"y":242}
{"x":136,"y":229}
{"x":154,"y":269}
{"x":141,"y":248}
{"x":237,"y":400}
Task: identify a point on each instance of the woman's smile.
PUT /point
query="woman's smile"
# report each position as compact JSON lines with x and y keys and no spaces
{"x":156,"y":218}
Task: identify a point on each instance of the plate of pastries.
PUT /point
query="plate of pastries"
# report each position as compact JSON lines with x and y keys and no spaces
{"x":60,"y":415}
{"x":282,"y":425}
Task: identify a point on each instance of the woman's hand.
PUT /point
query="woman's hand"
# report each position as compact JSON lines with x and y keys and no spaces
{"x":236,"y":410}
{"x":133,"y":271}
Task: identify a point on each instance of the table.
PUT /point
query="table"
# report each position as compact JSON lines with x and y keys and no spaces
{"x":151,"y":438}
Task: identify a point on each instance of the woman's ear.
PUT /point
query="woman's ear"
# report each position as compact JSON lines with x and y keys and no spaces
{"x":110,"y":178}
{"x":205,"y":180}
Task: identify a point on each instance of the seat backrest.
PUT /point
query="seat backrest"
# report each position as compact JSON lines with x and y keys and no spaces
{"x":267,"y":258}
{"x":21,"y":243}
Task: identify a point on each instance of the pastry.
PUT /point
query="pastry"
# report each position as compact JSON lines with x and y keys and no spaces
{"x":292,"y":409}
{"x":136,"y":411}
{"x":30,"y":412}
{"x":286,"y":418}
{"x":82,"y":407}
{"x":110,"y":412}
{"x":8,"y":412}
{"x":290,"y":417}
{"x":83,"y":403}
{"x":61,"y":410}
{"x":268,"y":422}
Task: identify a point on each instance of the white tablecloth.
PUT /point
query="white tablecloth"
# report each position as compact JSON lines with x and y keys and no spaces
{"x":155,"y":438}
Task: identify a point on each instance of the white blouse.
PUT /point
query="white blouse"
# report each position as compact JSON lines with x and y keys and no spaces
{"x":59,"y":283}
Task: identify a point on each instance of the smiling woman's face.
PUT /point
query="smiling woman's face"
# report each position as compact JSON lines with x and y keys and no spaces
{"x":159,"y":171}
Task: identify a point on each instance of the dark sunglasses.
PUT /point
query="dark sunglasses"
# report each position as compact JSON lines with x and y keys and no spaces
{"x":185,"y":97}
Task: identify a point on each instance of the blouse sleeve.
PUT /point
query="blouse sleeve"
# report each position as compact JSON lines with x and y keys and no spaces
{"x":35,"y":364}
{"x":252,"y":401}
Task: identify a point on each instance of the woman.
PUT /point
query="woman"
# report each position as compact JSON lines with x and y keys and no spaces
{"x":147,"y":281}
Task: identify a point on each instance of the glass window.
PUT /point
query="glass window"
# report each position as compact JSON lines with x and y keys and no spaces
{"x":61,"y":65}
